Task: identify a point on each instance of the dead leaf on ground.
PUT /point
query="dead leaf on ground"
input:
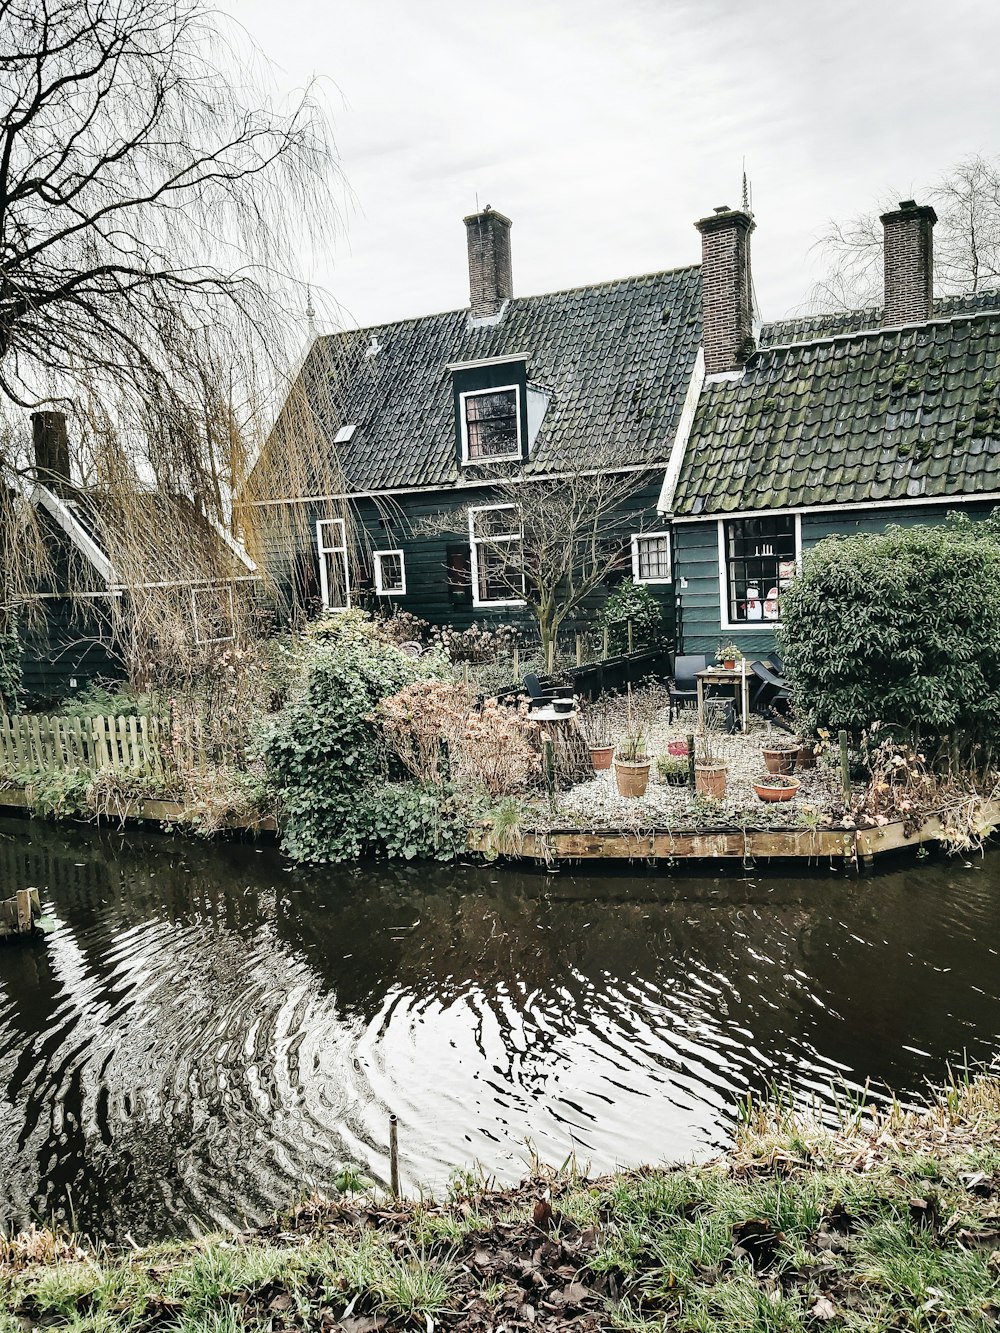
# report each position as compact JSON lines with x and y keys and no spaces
{"x":824,"y":1309}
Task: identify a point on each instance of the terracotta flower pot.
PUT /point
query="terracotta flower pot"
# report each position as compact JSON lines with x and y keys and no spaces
{"x":710,"y":780}
{"x":806,"y":757}
{"x":600,"y":757}
{"x":767,"y":792}
{"x":632,"y":778}
{"x":731,"y":665}
{"x":780,"y":761}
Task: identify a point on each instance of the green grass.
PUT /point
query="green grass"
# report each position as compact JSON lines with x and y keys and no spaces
{"x":885,"y":1224}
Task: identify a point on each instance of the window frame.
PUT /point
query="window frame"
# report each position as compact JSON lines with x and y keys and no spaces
{"x":475,"y":541}
{"x":322,"y":551}
{"x":380,"y":589}
{"x":751,"y":626}
{"x":518,"y":455}
{"x":222,"y":638}
{"x":637,"y":538}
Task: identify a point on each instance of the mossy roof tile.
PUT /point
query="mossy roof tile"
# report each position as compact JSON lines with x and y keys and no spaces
{"x":838,"y":411}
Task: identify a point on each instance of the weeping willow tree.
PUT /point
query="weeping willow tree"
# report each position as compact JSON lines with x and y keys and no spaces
{"x":153,"y":210}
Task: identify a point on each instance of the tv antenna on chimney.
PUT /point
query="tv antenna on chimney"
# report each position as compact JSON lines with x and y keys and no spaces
{"x":747,"y":191}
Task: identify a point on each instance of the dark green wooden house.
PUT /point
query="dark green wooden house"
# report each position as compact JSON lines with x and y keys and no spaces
{"x":375,"y":480}
{"x":71,"y":626}
{"x":831,"y":425}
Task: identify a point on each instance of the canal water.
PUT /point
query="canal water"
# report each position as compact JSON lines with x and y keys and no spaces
{"x":208,"y":1032}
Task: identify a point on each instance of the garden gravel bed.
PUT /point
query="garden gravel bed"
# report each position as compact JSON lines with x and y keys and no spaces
{"x":597,"y":805}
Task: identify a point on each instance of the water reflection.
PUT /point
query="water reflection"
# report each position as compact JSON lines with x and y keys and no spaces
{"x":208,"y":1032}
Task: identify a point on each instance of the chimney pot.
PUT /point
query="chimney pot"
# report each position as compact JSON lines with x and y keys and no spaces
{"x":51,"y":444}
{"x":490,"y":281}
{"x":726,"y":291}
{"x":909,"y":263}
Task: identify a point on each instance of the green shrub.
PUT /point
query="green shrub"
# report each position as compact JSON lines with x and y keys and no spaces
{"x":10,"y":667}
{"x":901,"y":627}
{"x":104,"y":699}
{"x":331,"y":769}
{"x":632,"y":601}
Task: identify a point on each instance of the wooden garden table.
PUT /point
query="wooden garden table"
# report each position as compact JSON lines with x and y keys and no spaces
{"x":738,"y":677}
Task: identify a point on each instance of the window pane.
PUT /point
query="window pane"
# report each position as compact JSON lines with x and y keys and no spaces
{"x":654,"y":557}
{"x":760,"y":558}
{"x":499,"y":574}
{"x":390,"y":572}
{"x":336,"y":580}
{"x":213,"y":610}
{"x":491,"y":424}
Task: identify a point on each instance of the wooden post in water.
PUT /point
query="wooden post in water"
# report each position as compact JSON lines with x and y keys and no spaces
{"x":845,"y":769}
{"x":393,"y":1157}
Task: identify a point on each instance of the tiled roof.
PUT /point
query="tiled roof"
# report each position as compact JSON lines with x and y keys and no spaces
{"x":807,"y":328}
{"x":852,"y":417}
{"x":615,"y":358}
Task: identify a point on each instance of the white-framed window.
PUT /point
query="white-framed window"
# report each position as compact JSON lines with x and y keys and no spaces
{"x":495,"y":547}
{"x":651,"y":557}
{"x":213,"y":613}
{"x":390,"y":573}
{"x":334,"y":572}
{"x":758,"y":558}
{"x":491,"y":424}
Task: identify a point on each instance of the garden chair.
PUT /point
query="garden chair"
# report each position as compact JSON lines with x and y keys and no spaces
{"x":537,"y":696}
{"x":771,"y":692}
{"x":684,"y":686}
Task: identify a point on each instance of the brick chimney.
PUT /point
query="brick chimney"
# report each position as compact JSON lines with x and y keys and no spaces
{"x":909,"y":263}
{"x":726,"y":294}
{"x":51,"y":441}
{"x":490,"y":283}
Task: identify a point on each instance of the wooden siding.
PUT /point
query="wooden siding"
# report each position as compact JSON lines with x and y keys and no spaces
{"x":64,"y":647}
{"x":696,"y":568}
{"x":393,"y":522}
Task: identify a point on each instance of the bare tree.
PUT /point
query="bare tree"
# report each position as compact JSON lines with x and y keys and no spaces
{"x":151,"y":212}
{"x":551,"y":541}
{"x":966,"y":241}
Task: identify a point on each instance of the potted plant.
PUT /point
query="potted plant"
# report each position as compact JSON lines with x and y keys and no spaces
{"x":728,"y":654}
{"x":672,"y":770}
{"x":596,"y":720}
{"x":632,"y":764}
{"x":710,"y":768}
{"x":776,"y":787}
{"x":780,"y":758}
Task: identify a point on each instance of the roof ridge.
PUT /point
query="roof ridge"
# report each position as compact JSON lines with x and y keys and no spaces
{"x":531,"y":296}
{"x":878,"y":331}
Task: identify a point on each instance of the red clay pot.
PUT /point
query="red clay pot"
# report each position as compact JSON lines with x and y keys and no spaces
{"x":781,"y":761}
{"x":632,"y":779}
{"x":600,"y":757}
{"x":768,"y":793}
{"x":710,"y":781}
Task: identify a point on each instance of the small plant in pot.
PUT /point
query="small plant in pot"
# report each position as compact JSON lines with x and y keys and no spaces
{"x":728,"y":654}
{"x":776,"y":787}
{"x":710,"y":767}
{"x":595,"y":720}
{"x":632,"y":764}
{"x":672,"y":770}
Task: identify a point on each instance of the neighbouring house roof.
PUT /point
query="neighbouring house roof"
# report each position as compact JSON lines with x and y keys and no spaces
{"x":834,"y":410}
{"x":161,"y":539}
{"x":614,"y":360}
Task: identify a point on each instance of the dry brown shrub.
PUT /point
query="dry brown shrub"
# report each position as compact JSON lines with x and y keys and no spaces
{"x":499,"y":749}
{"x":419,"y":718}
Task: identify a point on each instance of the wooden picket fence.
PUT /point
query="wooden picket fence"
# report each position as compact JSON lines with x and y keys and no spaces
{"x":128,"y":744}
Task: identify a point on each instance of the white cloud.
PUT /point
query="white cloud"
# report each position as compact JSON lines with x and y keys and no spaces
{"x":605,"y":131}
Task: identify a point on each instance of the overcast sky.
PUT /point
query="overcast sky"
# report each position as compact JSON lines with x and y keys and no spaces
{"x":604,"y":128}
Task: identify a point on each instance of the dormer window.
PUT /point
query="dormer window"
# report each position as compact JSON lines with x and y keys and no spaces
{"x":491,"y":424}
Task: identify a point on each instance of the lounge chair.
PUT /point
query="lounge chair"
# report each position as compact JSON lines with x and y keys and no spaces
{"x":772,"y":690}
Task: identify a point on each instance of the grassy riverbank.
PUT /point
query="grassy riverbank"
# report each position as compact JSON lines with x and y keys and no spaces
{"x":890,"y":1221}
